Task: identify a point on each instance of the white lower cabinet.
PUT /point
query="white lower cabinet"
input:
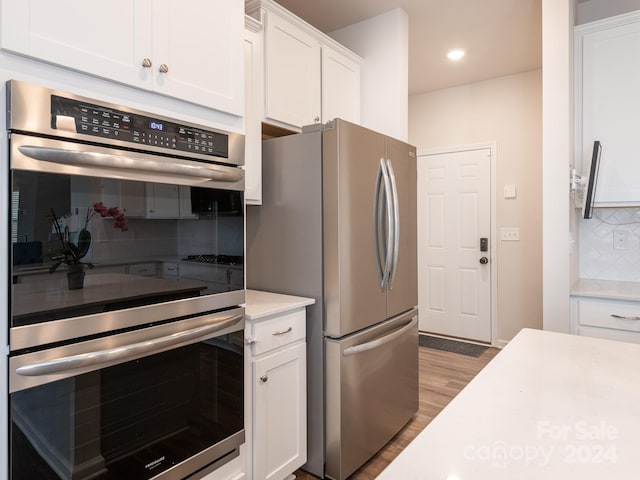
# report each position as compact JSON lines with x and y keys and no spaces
{"x":280,"y":420}
{"x":276,"y":392}
{"x":606,"y":318}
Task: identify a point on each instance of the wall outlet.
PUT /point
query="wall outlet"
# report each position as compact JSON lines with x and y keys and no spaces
{"x":510,"y":234}
{"x":620,"y":239}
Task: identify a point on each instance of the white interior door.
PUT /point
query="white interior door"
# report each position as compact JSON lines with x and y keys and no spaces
{"x":454,"y":213}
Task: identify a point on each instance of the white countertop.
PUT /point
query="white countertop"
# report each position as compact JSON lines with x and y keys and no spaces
{"x":264,"y":304}
{"x":549,"y":406}
{"x":588,"y":287}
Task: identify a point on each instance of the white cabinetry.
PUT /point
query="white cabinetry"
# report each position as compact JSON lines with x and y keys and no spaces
{"x":608,"y":105}
{"x":252,"y":118}
{"x":276,"y":330}
{"x":607,"y":318}
{"x":155,"y":200}
{"x":189,"y":50}
{"x":308,"y":77}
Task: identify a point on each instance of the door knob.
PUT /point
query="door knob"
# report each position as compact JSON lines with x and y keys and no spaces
{"x":484,"y":260}
{"x":264,"y":378}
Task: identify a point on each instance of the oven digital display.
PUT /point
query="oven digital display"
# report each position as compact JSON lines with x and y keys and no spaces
{"x":100,"y":121}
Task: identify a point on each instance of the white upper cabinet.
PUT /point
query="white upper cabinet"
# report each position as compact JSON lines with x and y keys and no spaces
{"x":292,"y":73}
{"x":191,"y":50}
{"x":608,"y":105}
{"x":253,"y":112}
{"x":308,"y":77}
{"x":340,"y":86}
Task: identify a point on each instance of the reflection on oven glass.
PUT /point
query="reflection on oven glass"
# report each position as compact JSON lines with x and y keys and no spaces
{"x":130,"y":421}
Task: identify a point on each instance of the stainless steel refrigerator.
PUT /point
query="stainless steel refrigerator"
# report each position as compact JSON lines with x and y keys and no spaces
{"x":338,"y":223}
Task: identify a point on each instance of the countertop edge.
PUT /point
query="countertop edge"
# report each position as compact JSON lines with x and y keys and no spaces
{"x":260,"y":304}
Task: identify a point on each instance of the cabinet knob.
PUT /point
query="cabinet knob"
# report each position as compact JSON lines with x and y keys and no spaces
{"x":163,"y":68}
{"x":146,"y":63}
{"x":264,"y":378}
{"x":317,"y":119}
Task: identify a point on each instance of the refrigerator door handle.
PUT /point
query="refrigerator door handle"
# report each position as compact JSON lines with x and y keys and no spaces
{"x":382,"y":250}
{"x":378,"y":342}
{"x":396,"y":223}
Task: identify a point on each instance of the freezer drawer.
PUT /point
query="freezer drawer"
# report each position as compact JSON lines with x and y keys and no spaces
{"x":371,"y":391}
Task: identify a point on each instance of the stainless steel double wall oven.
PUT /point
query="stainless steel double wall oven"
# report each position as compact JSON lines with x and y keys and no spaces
{"x":125,"y":324}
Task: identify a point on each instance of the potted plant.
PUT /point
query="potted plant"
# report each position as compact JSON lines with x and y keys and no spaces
{"x":71,"y":254}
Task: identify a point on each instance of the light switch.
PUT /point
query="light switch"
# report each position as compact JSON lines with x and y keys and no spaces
{"x":510,"y":234}
{"x":509,"y":191}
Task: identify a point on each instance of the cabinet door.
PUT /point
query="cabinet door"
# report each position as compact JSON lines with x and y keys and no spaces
{"x":133,"y":199}
{"x":340,"y":87}
{"x":200,"y":44}
{"x":292,"y":73}
{"x":280,"y":410}
{"x":611,"y":109}
{"x":252,"y":124}
{"x":163,"y":201}
{"x":108,"y":39}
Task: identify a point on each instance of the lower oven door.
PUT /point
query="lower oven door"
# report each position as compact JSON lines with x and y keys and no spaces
{"x":161,"y":402}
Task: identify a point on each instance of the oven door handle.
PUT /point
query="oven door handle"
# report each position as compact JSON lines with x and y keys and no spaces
{"x":126,"y":162}
{"x":112,"y":355}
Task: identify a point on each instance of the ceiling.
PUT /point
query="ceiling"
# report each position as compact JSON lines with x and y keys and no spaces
{"x":501,"y":37}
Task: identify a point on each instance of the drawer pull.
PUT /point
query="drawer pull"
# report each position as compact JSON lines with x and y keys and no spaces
{"x":282,"y":332}
{"x":623,"y":317}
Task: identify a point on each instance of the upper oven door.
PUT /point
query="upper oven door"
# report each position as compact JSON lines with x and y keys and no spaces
{"x":125,"y":220}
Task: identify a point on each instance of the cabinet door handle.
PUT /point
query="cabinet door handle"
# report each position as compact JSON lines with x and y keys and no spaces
{"x":264,"y":379}
{"x":623,"y":317}
{"x":282,"y":332}
{"x":163,"y":68}
{"x":146,"y":63}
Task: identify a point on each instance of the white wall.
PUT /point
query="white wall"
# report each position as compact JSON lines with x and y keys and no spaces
{"x":506,"y":110}
{"x":557,"y":156}
{"x":598,"y":9}
{"x":383,"y":42}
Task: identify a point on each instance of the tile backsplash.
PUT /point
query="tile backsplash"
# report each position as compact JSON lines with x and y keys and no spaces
{"x":610,"y":245}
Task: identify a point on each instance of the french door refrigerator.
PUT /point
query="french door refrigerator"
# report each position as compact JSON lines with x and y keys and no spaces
{"x":338,"y":223}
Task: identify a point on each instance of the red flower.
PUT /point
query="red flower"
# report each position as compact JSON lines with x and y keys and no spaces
{"x":120,"y":221}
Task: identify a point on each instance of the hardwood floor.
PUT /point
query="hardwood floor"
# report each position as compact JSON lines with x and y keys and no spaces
{"x":442,"y":376}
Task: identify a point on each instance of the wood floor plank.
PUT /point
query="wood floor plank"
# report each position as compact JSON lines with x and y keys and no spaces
{"x":442,"y":376}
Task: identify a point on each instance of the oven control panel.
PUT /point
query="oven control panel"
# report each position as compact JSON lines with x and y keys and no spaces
{"x":91,"y":119}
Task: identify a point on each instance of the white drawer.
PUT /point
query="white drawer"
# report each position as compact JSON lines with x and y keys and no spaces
{"x":169,"y":269}
{"x":613,"y":314}
{"x":284,"y":329}
{"x":609,"y":334}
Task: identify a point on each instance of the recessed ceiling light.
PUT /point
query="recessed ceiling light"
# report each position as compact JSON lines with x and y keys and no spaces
{"x":455,"y":54}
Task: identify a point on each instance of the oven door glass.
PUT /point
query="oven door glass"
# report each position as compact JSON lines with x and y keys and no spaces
{"x":165,"y":415}
{"x":89,"y":245}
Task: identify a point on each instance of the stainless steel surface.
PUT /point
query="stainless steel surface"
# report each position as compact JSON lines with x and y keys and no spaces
{"x":396,"y":223}
{"x":163,"y":68}
{"x":76,"y":327}
{"x":378,"y":342}
{"x":121,"y":161}
{"x":314,"y":236}
{"x":370,"y":394}
{"x":146,"y":63}
{"x":57,"y":156}
{"x":233,"y":320}
{"x":30,"y":112}
{"x":135,"y":350}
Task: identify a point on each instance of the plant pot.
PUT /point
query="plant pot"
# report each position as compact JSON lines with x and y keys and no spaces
{"x":75,"y":277}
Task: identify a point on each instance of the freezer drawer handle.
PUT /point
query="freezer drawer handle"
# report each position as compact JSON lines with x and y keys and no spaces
{"x":622,"y":317}
{"x":364,"y":347}
{"x":282,"y":332}
{"x":120,"y":353}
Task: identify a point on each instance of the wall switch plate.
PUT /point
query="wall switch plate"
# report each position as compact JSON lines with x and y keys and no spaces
{"x":620,"y":239}
{"x":510,"y":234}
{"x":509,"y":191}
